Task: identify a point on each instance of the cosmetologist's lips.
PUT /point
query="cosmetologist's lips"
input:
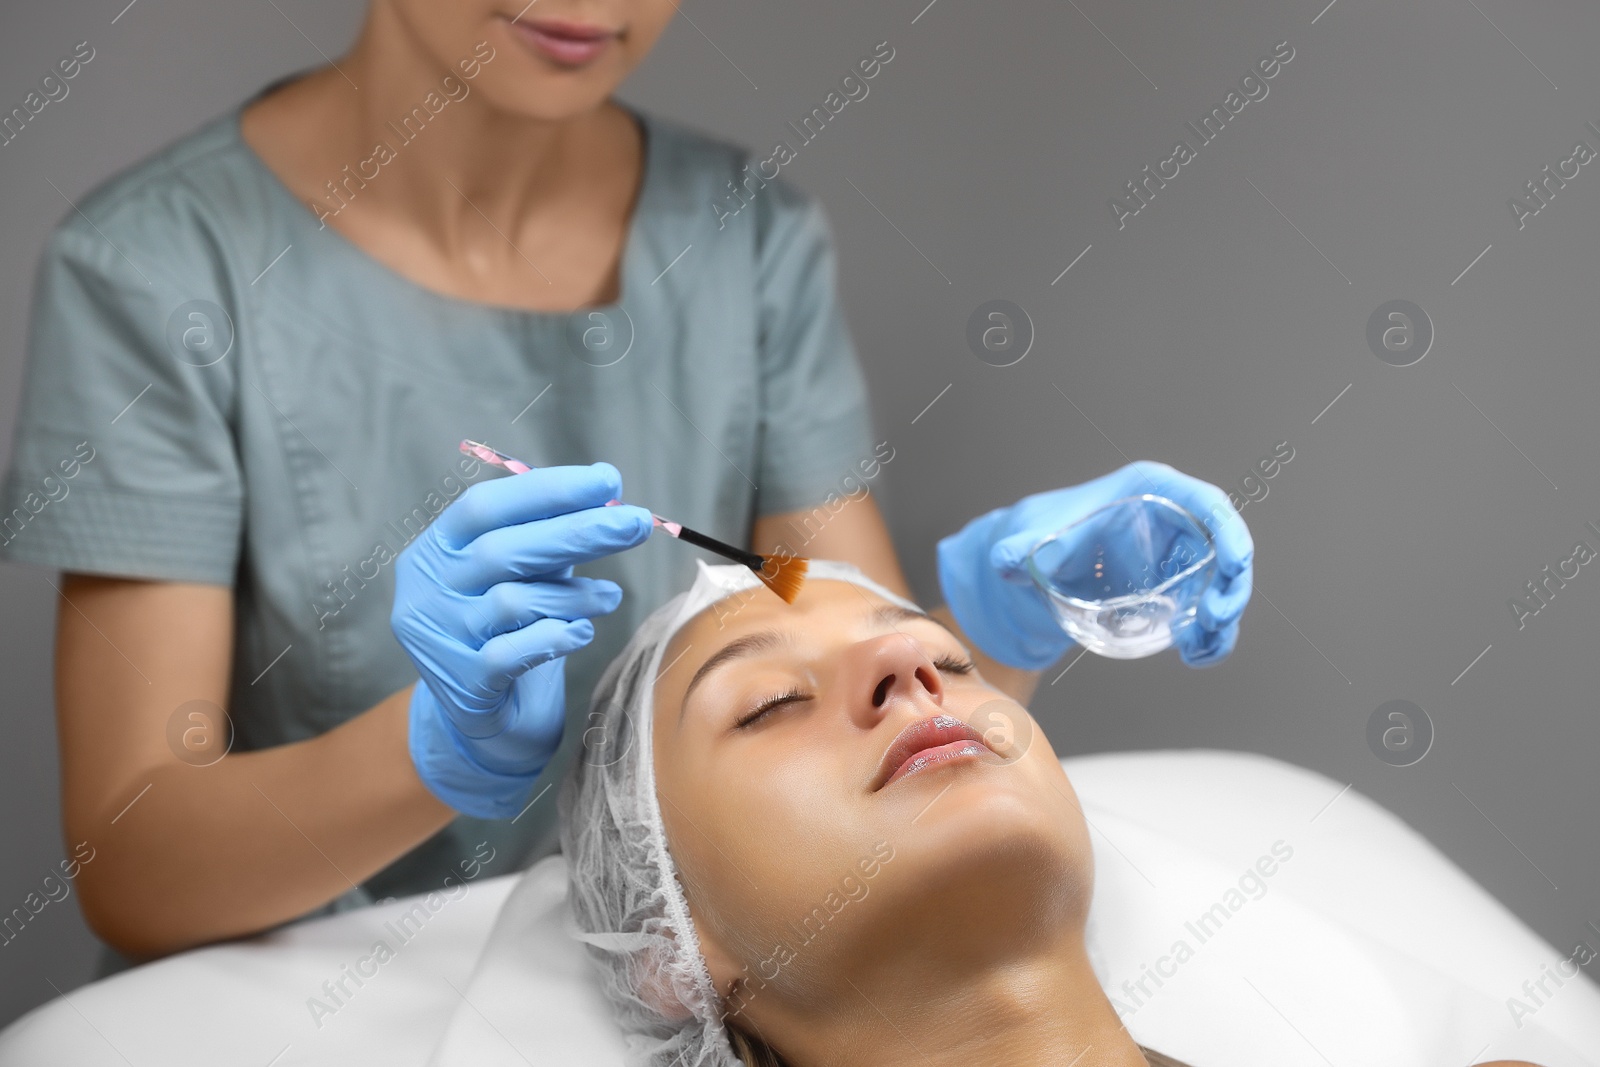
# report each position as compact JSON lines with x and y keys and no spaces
{"x":566,"y":43}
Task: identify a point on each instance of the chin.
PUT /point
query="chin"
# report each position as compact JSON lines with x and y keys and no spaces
{"x":1014,"y":862}
{"x":537,"y":96}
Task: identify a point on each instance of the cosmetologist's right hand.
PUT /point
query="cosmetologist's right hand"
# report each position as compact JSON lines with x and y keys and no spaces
{"x":486,"y":606}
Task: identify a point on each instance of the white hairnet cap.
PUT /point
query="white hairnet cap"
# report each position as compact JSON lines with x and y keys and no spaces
{"x":627,"y":902}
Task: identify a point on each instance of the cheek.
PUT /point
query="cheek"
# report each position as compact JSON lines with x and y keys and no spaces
{"x":759,"y":847}
{"x":447,"y":31}
{"x":1041,"y":753}
{"x":646,"y":23}
{"x":746,"y":875}
{"x":779,"y":811}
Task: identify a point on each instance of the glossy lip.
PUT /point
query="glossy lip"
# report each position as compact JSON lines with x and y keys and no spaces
{"x":938,"y":738}
{"x":568,"y":44}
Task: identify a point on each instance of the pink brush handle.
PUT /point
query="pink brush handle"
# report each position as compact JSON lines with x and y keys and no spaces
{"x":479,"y":450}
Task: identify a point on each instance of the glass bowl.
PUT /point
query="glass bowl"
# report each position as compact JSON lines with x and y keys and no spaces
{"x":1126,"y":578}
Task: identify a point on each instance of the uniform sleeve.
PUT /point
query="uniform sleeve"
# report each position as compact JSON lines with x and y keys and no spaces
{"x":124,"y":461}
{"x":815,"y":420}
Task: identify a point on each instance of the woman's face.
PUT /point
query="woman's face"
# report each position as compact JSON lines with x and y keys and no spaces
{"x":551,"y":59}
{"x":808,"y":852}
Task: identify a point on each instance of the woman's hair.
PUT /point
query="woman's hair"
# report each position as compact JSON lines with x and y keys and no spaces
{"x":752,"y":1051}
{"x":628,"y":904}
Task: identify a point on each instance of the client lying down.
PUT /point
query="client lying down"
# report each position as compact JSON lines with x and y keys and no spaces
{"x":787,"y":847}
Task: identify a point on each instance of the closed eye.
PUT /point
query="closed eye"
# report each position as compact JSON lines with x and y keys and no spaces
{"x":792,"y":696}
{"x":947,"y":662}
{"x":944,"y":662}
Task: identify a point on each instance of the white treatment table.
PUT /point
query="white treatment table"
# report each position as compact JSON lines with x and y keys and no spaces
{"x":1365,"y":947}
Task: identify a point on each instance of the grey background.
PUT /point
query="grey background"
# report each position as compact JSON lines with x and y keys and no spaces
{"x":1226,"y":317}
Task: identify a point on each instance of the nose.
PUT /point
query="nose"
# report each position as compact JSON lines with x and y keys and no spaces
{"x":888,"y":669}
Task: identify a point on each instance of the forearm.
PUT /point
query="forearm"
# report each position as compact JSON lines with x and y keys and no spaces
{"x":1015,"y":682}
{"x":257,"y":838}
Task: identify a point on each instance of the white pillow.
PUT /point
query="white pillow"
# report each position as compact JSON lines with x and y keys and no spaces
{"x":1364,"y":921}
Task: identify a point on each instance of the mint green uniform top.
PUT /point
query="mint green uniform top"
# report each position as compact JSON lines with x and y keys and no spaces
{"x":243,"y":397}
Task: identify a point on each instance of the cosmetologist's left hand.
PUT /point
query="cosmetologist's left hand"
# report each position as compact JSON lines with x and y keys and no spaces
{"x":983,"y":568}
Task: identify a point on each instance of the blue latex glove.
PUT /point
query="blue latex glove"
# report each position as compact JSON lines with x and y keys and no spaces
{"x":983,"y":568}
{"x":486,"y":605}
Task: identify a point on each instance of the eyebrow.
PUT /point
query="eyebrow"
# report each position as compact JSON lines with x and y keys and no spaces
{"x":763,"y":640}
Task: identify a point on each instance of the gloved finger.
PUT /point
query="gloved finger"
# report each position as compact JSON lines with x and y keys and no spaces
{"x":509,"y":606}
{"x":1133,"y":478}
{"x":1037,"y":516}
{"x":1205,"y":501}
{"x":1225,"y":600}
{"x":1211,"y":505}
{"x":505,"y":656}
{"x":535,"y":549}
{"x":1009,"y":555}
{"x":522,"y":498}
{"x":1202,"y":648}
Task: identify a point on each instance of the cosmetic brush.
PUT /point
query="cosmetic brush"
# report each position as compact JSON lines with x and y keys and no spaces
{"x":782,"y":573}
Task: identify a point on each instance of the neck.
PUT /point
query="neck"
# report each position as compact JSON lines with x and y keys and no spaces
{"x":451,"y":168}
{"x":1047,"y":1010}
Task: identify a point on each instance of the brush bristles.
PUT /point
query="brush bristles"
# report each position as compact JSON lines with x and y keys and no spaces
{"x":783,"y":575}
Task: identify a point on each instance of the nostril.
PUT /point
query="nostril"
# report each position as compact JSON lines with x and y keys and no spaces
{"x":880,"y":693}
